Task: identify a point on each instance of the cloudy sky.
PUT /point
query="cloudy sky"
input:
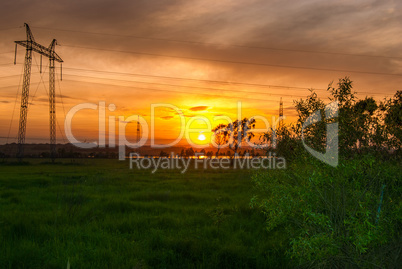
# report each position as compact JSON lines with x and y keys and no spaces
{"x":201,"y":56}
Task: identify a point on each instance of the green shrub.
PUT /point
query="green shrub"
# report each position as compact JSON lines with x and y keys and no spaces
{"x":335,"y":217}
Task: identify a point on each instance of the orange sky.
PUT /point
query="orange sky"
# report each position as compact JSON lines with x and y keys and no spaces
{"x":200,"y":56}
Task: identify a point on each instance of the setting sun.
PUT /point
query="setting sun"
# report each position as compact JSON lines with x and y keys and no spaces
{"x":201,"y":137}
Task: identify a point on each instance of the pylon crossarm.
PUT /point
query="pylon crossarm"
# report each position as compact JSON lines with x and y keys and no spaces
{"x":48,"y":52}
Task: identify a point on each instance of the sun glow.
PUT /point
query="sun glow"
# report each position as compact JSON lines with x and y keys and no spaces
{"x":201,"y":137}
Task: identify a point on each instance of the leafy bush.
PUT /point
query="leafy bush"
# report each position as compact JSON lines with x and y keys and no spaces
{"x":347,"y":216}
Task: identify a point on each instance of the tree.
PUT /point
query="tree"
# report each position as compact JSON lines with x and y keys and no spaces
{"x":343,"y":94}
{"x":190,"y":152}
{"x":358,"y":120}
{"x":220,"y":136}
{"x":334,"y":216}
{"x":393,"y":120}
{"x":365,"y":121}
{"x":314,"y":134}
{"x":235,"y":133}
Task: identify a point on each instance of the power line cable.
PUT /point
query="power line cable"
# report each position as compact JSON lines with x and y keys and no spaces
{"x":5,"y":64}
{"x":238,"y":62}
{"x":12,"y":28}
{"x":230,"y":83}
{"x":12,"y":115}
{"x":10,"y":76}
{"x":192,"y":87}
{"x":220,"y":45}
{"x":41,"y":79}
{"x":186,"y":92}
{"x":64,"y":111}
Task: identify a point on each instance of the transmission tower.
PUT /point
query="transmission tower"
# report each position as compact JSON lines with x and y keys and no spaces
{"x":138,"y":130}
{"x":138,"y":133}
{"x":280,"y":115}
{"x":49,"y":52}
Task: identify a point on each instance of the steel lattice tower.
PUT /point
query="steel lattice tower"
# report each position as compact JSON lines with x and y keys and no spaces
{"x":280,"y":115}
{"x":138,"y":130}
{"x":52,"y":102}
{"x":49,"y":52}
{"x":138,"y":138}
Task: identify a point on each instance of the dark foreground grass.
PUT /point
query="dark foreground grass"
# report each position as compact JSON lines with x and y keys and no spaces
{"x":100,"y":214}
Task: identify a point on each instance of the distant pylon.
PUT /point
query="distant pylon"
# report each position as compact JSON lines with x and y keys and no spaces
{"x":280,"y":125}
{"x":138,"y":133}
{"x":138,"y":130}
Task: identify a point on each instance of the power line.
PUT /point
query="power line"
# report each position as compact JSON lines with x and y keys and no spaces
{"x":9,"y":64}
{"x":238,"y":62}
{"x":229,"y":83}
{"x":64,"y":110}
{"x":11,"y":86}
{"x":15,"y":104}
{"x":12,"y":28}
{"x":14,"y":86}
{"x":220,"y":45}
{"x":10,"y":76}
{"x":164,"y":90}
{"x":192,"y":79}
{"x":41,"y":79}
{"x":48,"y":94}
{"x":192,"y":87}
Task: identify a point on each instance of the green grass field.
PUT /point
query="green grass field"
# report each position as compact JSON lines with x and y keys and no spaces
{"x":101,"y":214}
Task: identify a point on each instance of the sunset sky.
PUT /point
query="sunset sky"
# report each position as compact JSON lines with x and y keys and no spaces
{"x":201,"y":56}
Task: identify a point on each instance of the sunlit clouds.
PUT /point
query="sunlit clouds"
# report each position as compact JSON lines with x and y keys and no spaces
{"x":200,"y":56}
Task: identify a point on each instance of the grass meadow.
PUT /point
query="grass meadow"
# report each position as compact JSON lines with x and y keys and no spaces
{"x":101,"y":214}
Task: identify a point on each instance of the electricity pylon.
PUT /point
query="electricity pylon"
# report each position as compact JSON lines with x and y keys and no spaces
{"x":49,"y":52}
{"x":138,"y":130}
{"x":280,"y":115}
{"x":138,"y":133}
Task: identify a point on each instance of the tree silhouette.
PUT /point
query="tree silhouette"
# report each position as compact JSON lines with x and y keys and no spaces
{"x":220,"y":137}
{"x":234,"y":134}
{"x":393,"y":120}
